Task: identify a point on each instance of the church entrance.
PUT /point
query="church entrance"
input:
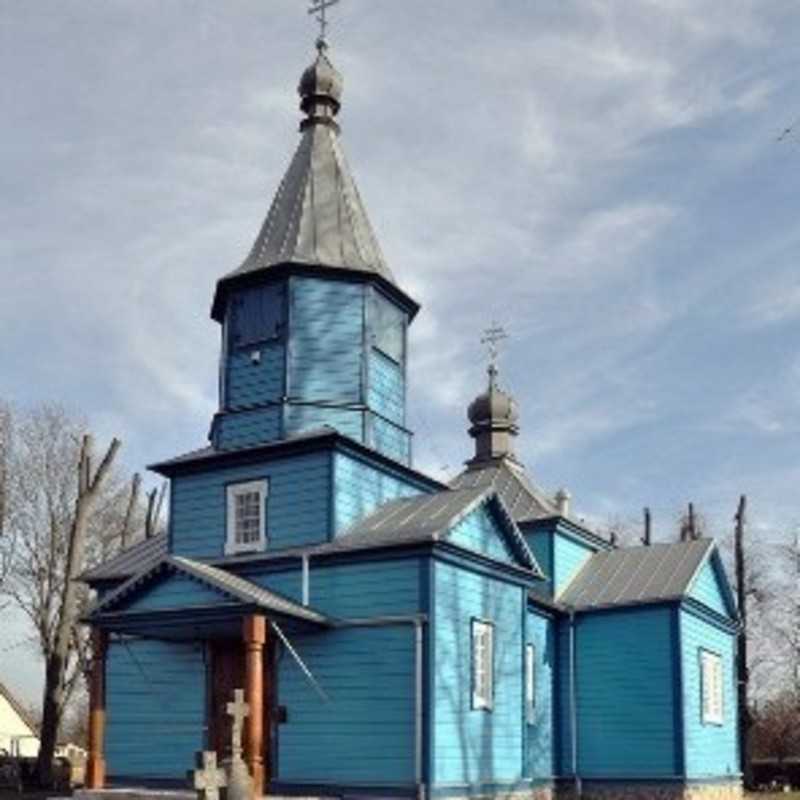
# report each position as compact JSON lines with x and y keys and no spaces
{"x":228,"y":673}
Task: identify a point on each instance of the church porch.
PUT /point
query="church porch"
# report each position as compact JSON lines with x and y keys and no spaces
{"x":170,"y":647}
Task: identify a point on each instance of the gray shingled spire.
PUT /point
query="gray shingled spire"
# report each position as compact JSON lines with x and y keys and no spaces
{"x":317,"y":216}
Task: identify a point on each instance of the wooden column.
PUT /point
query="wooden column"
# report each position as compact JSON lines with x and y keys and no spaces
{"x":96,"y":762}
{"x":255,"y":638}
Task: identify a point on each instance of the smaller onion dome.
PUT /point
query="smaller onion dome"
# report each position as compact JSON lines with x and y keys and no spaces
{"x":493,"y":416}
{"x":320,"y":89}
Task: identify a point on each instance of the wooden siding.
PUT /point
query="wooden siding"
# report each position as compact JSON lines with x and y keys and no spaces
{"x":302,"y":418}
{"x":482,"y":532}
{"x":625,"y":690}
{"x":391,"y":440}
{"x":156,"y":697}
{"x":297,"y":505}
{"x":711,"y":750}
{"x":541,"y":545}
{"x":539,"y":734}
{"x":360,"y":487}
{"x":174,"y":591}
{"x":475,"y":746}
{"x":247,"y":428}
{"x":364,"y":732}
{"x":326,"y":347}
{"x":569,"y":555}
{"x":386,"y":387}
{"x":706,"y":589}
{"x":253,"y":383}
{"x":347,"y":591}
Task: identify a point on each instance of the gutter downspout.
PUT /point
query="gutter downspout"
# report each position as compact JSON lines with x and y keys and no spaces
{"x":306,"y":579}
{"x":573,"y":705}
{"x":418,"y":708}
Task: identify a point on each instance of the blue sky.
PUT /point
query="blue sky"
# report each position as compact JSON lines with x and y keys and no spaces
{"x":603,"y":178}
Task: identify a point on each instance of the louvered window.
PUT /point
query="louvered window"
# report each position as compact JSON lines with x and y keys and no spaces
{"x":482,"y":665}
{"x":256,"y":316}
{"x":388,"y":327}
{"x":711,"y":689}
{"x":247,"y":517}
{"x":530,"y":684}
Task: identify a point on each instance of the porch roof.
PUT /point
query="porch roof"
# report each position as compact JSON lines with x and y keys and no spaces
{"x":236,"y":594}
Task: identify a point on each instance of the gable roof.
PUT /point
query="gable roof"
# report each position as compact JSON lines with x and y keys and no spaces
{"x":135,"y":559}
{"x":235,"y":587}
{"x":636,"y":575}
{"x":522,"y":499}
{"x":424,"y":518}
{"x":18,"y":708}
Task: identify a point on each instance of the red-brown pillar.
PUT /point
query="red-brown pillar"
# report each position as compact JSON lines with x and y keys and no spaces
{"x":96,"y":763}
{"x":255,"y":638}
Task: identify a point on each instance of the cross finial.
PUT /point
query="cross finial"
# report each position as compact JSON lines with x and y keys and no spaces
{"x":238,"y":709}
{"x":492,"y":336}
{"x":319,"y":8}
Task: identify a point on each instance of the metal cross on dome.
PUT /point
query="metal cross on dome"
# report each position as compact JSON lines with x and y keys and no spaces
{"x":492,"y":336}
{"x":319,"y":8}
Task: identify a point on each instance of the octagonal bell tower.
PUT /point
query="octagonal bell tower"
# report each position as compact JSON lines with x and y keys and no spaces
{"x":313,"y":322}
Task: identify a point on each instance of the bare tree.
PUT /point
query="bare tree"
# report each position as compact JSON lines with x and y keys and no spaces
{"x":776,"y":727}
{"x":5,"y":450}
{"x":57,"y":509}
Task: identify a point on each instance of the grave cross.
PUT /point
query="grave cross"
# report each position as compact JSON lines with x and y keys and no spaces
{"x":238,"y":709}
{"x":208,"y":778}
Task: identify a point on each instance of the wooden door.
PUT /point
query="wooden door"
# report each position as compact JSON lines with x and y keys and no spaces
{"x":228,"y":674}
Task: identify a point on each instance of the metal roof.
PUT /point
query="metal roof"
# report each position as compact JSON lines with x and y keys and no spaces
{"x":523,"y":500}
{"x":419,"y":519}
{"x":636,"y":575}
{"x":235,"y":587}
{"x":317,"y":216}
{"x":131,"y":561}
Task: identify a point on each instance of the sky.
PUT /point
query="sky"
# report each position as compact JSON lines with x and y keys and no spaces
{"x":604,"y":179}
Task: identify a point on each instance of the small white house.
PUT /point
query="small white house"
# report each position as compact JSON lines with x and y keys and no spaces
{"x":18,"y":734}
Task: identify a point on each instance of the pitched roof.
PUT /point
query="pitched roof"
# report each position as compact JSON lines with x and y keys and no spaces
{"x":523,"y":500}
{"x":420,"y":519}
{"x":18,"y":708}
{"x":237,"y":588}
{"x":636,"y":575}
{"x":317,"y":216}
{"x":134,"y":559}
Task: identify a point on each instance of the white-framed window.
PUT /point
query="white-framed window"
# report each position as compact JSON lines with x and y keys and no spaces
{"x":712,"y":709}
{"x":482,"y":665}
{"x":247,"y":517}
{"x":530,"y":684}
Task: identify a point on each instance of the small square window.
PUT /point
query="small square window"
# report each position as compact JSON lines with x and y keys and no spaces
{"x":711,"y":688}
{"x":482,"y":665}
{"x":247,"y":517}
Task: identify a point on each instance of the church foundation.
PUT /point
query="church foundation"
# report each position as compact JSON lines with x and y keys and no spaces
{"x":653,"y":790}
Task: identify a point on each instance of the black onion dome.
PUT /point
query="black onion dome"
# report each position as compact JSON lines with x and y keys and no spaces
{"x":493,"y":408}
{"x":320,"y":83}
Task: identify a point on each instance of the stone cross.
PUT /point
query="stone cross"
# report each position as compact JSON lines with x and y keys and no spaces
{"x":238,"y":709}
{"x":208,"y":778}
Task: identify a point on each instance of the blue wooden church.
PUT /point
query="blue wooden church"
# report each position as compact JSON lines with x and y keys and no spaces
{"x":395,"y":636}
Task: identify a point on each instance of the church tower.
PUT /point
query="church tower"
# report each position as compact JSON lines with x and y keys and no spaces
{"x":313,"y":322}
